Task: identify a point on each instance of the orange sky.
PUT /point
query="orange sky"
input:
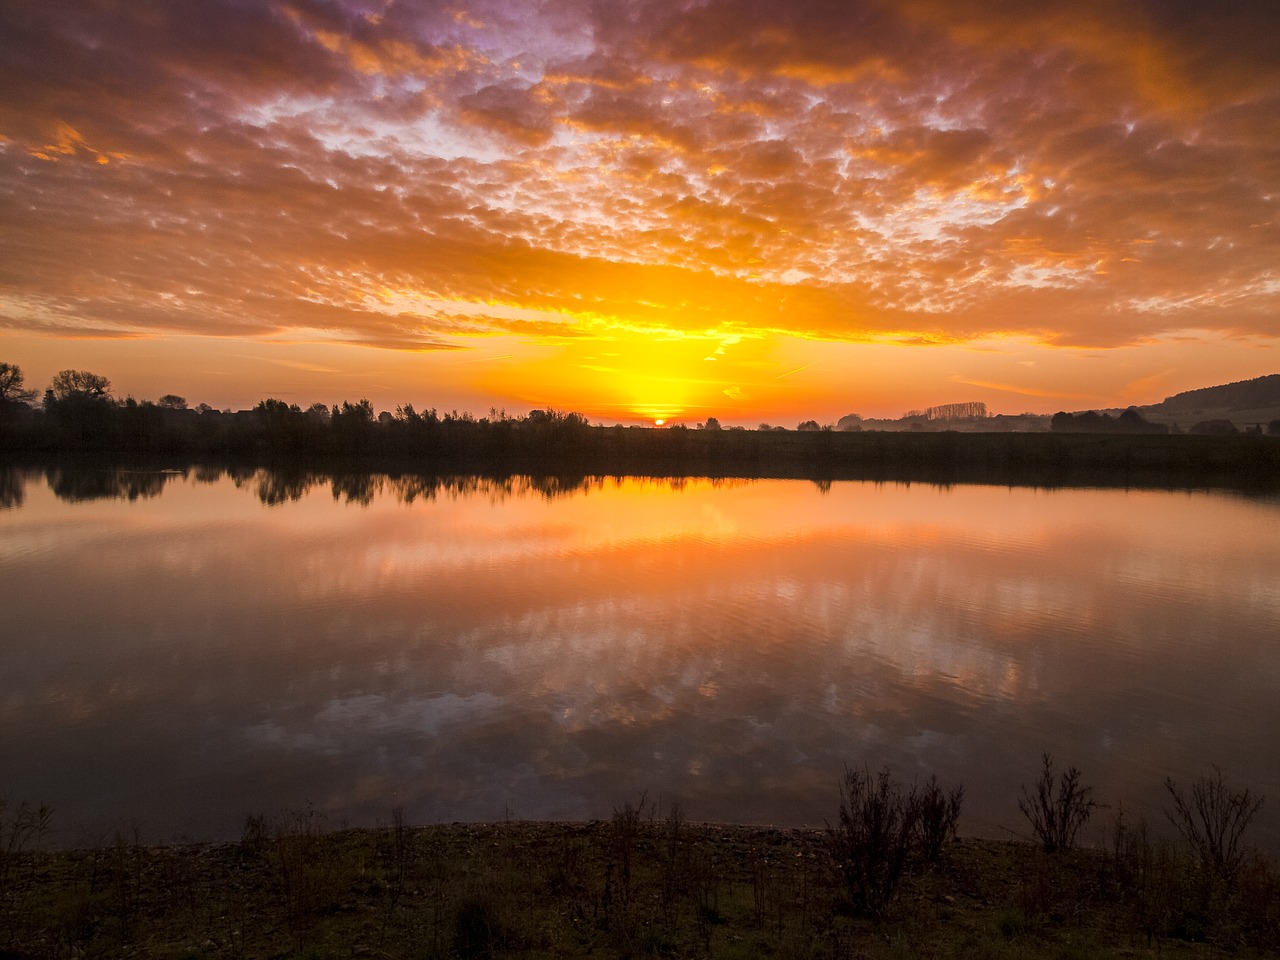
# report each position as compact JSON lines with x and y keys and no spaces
{"x":736,"y":208}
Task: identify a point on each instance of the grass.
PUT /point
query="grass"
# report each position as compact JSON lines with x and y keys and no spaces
{"x":644,"y":884}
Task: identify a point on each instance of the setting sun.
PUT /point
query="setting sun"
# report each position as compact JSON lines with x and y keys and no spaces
{"x":625,"y":373}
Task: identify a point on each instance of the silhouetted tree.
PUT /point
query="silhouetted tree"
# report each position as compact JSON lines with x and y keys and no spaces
{"x":1091,"y":421}
{"x":554,"y":418}
{"x":282,"y":429}
{"x":1131,"y":421}
{"x":272,"y":410}
{"x":360,"y":412}
{"x":352,"y":426}
{"x":80,"y":405}
{"x":70,"y":386}
{"x":957,"y":411}
{"x":171,"y":401}
{"x":11,"y":385}
{"x":1215,"y":428}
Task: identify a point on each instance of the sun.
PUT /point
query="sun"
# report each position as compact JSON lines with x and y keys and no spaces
{"x":655,"y":376}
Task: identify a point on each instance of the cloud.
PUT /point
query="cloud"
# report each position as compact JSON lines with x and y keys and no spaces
{"x":516,"y":111}
{"x":920,"y":170}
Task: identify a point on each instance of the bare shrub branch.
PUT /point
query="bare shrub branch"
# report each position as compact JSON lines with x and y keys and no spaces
{"x":1213,"y":821}
{"x":1058,"y":808}
{"x":878,"y":828}
{"x":938,"y":812}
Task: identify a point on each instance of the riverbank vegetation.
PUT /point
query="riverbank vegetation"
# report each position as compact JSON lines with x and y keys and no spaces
{"x":887,"y":880}
{"x":80,"y":420}
{"x":548,"y":443}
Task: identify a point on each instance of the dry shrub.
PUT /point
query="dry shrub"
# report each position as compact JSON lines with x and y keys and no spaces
{"x":1213,"y":821}
{"x":880,"y":826}
{"x":1058,"y":808}
{"x":939,"y":812}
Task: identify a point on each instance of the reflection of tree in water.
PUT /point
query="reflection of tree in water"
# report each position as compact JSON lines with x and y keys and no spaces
{"x":207,"y":474}
{"x":363,"y":487}
{"x":274,"y":486}
{"x":408,"y":488}
{"x":74,"y":485}
{"x":12,"y":488}
{"x":549,"y":488}
{"x":277,"y":486}
{"x":418,"y":487}
{"x":358,"y":488}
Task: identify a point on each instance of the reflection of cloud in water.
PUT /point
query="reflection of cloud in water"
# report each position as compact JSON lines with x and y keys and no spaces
{"x":235,"y":657}
{"x":351,"y":722}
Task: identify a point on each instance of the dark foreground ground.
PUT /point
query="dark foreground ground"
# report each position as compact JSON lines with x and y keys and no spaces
{"x":629,"y":887}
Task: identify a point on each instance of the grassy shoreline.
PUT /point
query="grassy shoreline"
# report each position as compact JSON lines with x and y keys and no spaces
{"x":629,"y":887}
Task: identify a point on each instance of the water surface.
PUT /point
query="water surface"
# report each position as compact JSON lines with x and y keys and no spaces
{"x":183,"y":650}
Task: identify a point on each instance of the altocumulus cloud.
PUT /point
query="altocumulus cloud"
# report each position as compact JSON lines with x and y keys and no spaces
{"x":412,"y":174}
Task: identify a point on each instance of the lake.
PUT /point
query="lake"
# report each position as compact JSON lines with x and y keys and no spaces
{"x":182,"y":650}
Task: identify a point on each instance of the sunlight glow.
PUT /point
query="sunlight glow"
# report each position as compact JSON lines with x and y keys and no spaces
{"x":646,"y":218}
{"x":621,"y":373}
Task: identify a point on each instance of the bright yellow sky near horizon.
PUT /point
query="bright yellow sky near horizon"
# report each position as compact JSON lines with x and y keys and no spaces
{"x":638,"y":211}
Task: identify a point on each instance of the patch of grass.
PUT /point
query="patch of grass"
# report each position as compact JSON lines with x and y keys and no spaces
{"x":1013,"y":923}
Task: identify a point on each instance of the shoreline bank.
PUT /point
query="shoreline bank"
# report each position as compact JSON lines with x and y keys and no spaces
{"x":625,"y":887}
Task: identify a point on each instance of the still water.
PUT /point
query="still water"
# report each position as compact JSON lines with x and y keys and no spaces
{"x":179,"y":651}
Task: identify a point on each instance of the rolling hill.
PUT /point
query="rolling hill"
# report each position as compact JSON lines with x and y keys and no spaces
{"x":1245,"y":403}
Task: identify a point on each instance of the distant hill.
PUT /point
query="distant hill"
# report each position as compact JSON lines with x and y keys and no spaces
{"x":1244,"y":403}
{"x":1242,"y":395}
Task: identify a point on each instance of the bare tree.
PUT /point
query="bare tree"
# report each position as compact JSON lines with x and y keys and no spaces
{"x":79,"y":385}
{"x":11,"y":388}
{"x":957,"y":411}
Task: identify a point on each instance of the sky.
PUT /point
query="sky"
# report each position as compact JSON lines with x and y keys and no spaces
{"x":656,"y":209}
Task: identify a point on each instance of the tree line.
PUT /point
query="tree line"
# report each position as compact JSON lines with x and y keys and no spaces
{"x":78,"y":417}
